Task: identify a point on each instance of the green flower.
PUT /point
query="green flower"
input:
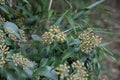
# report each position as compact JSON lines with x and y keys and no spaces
{"x":11,"y":34}
{"x":3,"y":51}
{"x":20,"y":60}
{"x":2,"y":40}
{"x":22,"y":34}
{"x":54,"y":29}
{"x":62,"y":70}
{"x":60,"y":37}
{"x":2,"y":61}
{"x":88,"y":41}
{"x":47,"y":38}
{"x":2,"y":1}
{"x":79,"y":73}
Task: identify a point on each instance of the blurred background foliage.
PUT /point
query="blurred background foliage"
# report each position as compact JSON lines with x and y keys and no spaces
{"x":35,"y":17}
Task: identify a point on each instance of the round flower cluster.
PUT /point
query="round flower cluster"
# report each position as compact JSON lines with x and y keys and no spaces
{"x":22,"y":34}
{"x":13,"y":37}
{"x":2,"y":37}
{"x":20,"y":60}
{"x":54,"y":29}
{"x":47,"y":38}
{"x":3,"y":51}
{"x":60,"y":37}
{"x":2,"y":1}
{"x":2,"y":62}
{"x":54,"y":34}
{"x":2,"y":20}
{"x":88,"y":41}
{"x":79,"y":73}
{"x":11,"y":34}
{"x":62,"y":70}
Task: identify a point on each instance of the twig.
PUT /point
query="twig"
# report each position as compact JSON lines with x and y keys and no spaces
{"x":11,"y":3}
{"x":50,"y":4}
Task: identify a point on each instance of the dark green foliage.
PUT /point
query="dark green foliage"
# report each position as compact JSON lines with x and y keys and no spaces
{"x":34,"y":17}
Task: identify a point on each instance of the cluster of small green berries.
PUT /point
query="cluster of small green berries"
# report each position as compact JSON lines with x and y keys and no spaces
{"x":20,"y":60}
{"x":2,"y":40}
{"x":4,"y":49}
{"x":3,"y":52}
{"x":62,"y":70}
{"x":22,"y":34}
{"x":54,"y":34}
{"x":11,"y":34}
{"x":60,"y":37}
{"x":2,"y":1}
{"x":16,"y":58}
{"x":54,"y":29}
{"x":79,"y":73}
{"x":2,"y":20}
{"x":88,"y":41}
{"x":2,"y":61}
{"x":47,"y":38}
{"x":13,"y":37}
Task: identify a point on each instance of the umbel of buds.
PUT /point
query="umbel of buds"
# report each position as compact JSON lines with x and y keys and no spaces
{"x":62,"y":70}
{"x":3,"y":52}
{"x":16,"y":58}
{"x":23,"y":36}
{"x":60,"y":37}
{"x":54,"y":34}
{"x":54,"y":29}
{"x":2,"y":1}
{"x":79,"y":73}
{"x":88,"y":41}
{"x":11,"y":34}
{"x":2,"y":20}
{"x":20,"y":60}
{"x":47,"y":38}
{"x":2,"y":40}
{"x":2,"y":61}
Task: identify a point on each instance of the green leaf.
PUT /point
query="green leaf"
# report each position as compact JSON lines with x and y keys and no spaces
{"x":26,"y":1}
{"x":20,"y":73}
{"x":75,"y":42}
{"x":29,"y":71}
{"x":61,"y":18}
{"x":36,"y":37}
{"x":87,"y":8}
{"x":71,"y":22}
{"x":11,"y":75}
{"x":47,"y":72}
{"x":43,"y":62}
{"x":50,"y":13}
{"x":67,"y":54}
{"x":13,"y":27}
{"x":48,"y":49}
{"x":4,"y":9}
{"x":25,"y":11}
{"x":107,"y":52}
{"x":95,"y":4}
